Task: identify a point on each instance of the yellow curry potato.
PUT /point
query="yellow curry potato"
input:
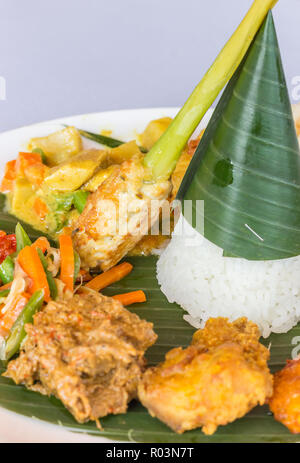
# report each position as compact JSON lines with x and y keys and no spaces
{"x":154,"y":131}
{"x":23,"y":190}
{"x":21,"y":204}
{"x":70,"y":175}
{"x":58,"y":146}
{"x":123,"y":152}
{"x":99,"y":178}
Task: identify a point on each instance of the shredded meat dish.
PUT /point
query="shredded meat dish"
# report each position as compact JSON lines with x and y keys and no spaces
{"x":216,"y":380}
{"x":88,"y":352}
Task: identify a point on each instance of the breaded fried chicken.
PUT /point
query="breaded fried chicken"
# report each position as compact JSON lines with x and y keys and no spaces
{"x":216,"y":380}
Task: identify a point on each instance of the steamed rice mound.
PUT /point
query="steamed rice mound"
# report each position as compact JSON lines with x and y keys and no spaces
{"x":193,"y":272}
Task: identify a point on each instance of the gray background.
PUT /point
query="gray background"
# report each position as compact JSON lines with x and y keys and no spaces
{"x":64,"y":57}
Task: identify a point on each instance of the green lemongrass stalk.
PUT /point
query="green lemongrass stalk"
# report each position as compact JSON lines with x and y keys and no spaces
{"x":163,"y":156}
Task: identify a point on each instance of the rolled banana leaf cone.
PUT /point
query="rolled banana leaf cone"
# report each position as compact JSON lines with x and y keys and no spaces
{"x":247,"y":165}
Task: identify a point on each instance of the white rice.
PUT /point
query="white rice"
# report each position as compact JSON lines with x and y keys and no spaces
{"x":193,"y":272}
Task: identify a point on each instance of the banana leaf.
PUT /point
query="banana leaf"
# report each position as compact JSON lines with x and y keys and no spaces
{"x":137,"y":425}
{"x":247,"y":165}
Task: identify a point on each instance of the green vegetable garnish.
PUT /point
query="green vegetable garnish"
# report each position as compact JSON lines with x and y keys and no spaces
{"x":18,"y":333}
{"x":246,"y":168}
{"x":50,"y":279}
{"x":63,"y":201}
{"x":104,"y":140}
{"x":163,"y":156}
{"x":80,"y":198}
{"x":61,"y":221}
{"x":22,"y":238}
{"x":7,"y":270}
{"x":4,"y":292}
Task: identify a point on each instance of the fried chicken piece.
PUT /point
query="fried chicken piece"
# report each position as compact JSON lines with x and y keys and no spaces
{"x":285,"y":402}
{"x":88,"y":352}
{"x":118,"y":215}
{"x":216,"y":380}
{"x":150,"y":242}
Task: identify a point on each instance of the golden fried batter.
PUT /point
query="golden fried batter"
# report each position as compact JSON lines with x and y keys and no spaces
{"x":216,"y":380}
{"x":285,"y":402}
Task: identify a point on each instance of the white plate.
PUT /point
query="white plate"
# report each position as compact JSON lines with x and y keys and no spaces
{"x":124,"y":125}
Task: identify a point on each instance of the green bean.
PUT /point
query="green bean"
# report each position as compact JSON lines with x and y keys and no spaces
{"x":104,"y":140}
{"x":77,"y":264}
{"x":50,"y":279}
{"x":22,"y":238}
{"x":18,"y":333}
{"x":52,"y":285}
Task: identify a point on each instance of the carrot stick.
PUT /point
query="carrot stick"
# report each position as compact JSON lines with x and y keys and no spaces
{"x":9,"y":318}
{"x":30,"y":262}
{"x":110,"y":276}
{"x":131,"y":298}
{"x":40,"y":208}
{"x":67,"y":266}
{"x":42,"y":243}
